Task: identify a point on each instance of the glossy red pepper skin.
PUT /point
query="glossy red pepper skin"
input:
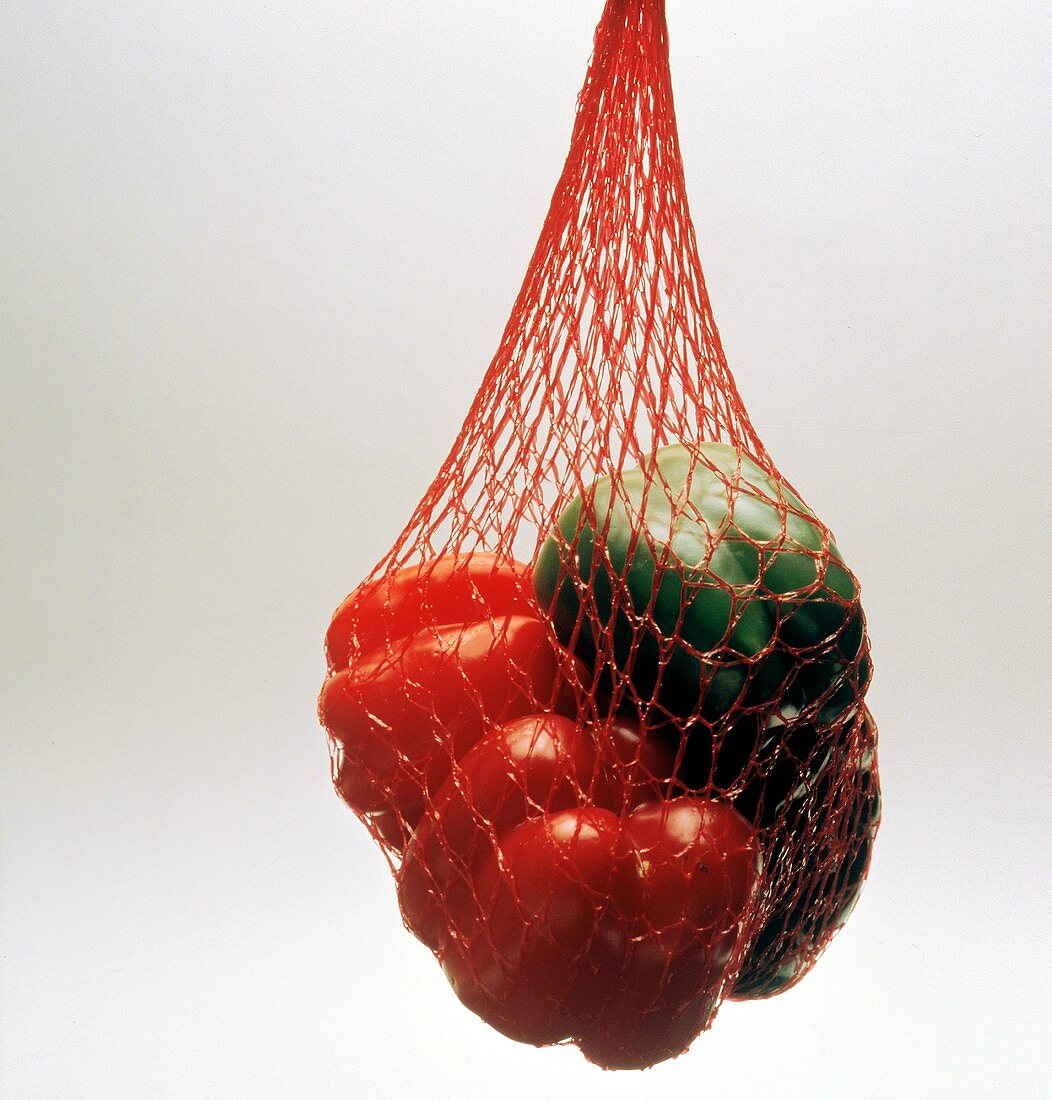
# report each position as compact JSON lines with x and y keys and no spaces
{"x":534,"y":762}
{"x":420,"y":664}
{"x":688,"y":872}
{"x":458,"y":588}
{"x":567,"y":898}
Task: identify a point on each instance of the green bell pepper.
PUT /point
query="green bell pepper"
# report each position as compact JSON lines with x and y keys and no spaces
{"x":699,"y":584}
{"x":810,"y":899}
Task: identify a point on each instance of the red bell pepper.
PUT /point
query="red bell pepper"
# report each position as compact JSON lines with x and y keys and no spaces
{"x":567,"y":897}
{"x":458,"y":588}
{"x":421,"y":662}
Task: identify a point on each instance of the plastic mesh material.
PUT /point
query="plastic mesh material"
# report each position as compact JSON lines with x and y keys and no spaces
{"x":602,"y":703}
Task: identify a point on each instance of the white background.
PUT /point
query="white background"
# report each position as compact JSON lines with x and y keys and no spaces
{"x":254,"y":259}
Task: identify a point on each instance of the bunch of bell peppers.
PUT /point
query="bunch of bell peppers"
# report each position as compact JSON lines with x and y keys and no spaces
{"x":631,"y":779}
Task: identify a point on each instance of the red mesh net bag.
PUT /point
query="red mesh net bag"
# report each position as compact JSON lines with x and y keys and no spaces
{"x":602,"y":703}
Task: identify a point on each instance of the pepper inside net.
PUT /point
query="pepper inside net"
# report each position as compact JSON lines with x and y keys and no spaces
{"x":553,"y":760}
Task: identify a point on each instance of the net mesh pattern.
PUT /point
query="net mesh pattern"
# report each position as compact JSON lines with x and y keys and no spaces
{"x":602,"y":703}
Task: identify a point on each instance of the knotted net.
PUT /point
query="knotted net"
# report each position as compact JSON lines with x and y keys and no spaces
{"x":602,"y":702}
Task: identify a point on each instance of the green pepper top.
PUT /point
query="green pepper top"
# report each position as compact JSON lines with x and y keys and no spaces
{"x":699,"y":584}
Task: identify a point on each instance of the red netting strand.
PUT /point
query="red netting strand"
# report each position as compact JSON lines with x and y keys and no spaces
{"x":602,"y":703}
